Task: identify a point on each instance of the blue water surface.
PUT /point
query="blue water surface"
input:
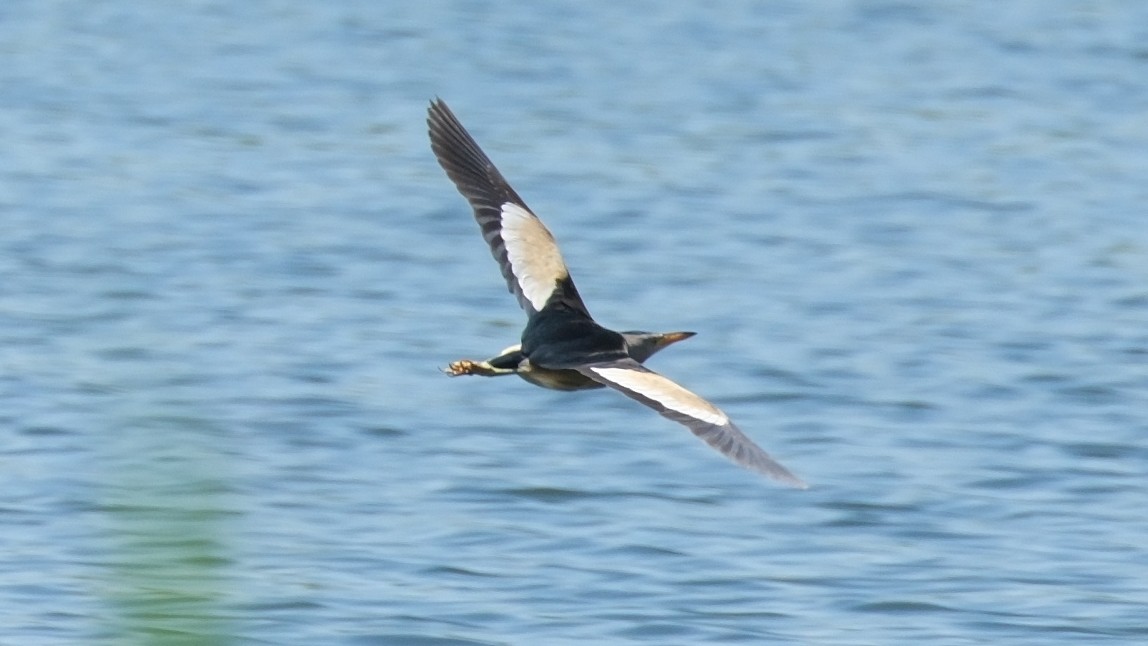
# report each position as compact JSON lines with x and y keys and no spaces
{"x":911,"y":237}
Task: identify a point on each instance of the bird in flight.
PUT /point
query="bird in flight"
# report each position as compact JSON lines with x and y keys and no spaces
{"x":562,"y":346}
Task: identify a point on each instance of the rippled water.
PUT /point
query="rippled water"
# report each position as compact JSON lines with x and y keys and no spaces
{"x":911,"y":239}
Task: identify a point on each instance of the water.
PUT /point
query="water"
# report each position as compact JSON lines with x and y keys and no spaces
{"x":911,"y":239}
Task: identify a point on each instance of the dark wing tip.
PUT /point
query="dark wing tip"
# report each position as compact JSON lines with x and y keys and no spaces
{"x":453,"y":145}
{"x":466,"y":164}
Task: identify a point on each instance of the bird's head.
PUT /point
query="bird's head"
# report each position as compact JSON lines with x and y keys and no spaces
{"x":643,"y":345}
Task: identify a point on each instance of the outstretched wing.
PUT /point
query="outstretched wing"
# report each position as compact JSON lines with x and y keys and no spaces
{"x":525,"y":250}
{"x":703,"y":419}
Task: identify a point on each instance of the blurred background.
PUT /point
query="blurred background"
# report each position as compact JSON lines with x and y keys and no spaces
{"x":911,"y":237}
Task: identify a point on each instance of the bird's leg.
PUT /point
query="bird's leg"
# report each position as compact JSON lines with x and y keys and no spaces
{"x":504,"y":364}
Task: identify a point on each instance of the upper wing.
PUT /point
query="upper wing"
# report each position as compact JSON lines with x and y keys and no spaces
{"x":702,"y":418}
{"x":525,"y":250}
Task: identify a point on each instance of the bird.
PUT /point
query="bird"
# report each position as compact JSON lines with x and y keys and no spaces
{"x":562,"y":347}
{"x":641,"y":345}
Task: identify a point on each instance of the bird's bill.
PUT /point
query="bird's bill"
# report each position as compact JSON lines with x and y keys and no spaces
{"x":673,"y":337}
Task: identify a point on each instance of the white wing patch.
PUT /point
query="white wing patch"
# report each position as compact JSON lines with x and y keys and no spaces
{"x":665,"y":392}
{"x":534,"y":258}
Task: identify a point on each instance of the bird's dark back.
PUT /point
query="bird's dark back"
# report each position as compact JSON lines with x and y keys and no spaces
{"x":561,"y":337}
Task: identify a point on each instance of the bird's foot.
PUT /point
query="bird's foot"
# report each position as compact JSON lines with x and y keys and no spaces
{"x":469,"y":367}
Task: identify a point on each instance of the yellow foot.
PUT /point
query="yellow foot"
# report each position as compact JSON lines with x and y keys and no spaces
{"x":465,"y":367}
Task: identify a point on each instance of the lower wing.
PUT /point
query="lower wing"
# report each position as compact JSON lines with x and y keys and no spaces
{"x":703,"y":419}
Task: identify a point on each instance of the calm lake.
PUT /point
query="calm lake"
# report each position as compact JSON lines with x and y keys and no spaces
{"x":911,"y":237}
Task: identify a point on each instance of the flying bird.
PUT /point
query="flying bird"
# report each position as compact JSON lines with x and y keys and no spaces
{"x":562,"y":347}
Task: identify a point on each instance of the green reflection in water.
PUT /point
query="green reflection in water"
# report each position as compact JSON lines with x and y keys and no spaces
{"x":165,"y":508}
